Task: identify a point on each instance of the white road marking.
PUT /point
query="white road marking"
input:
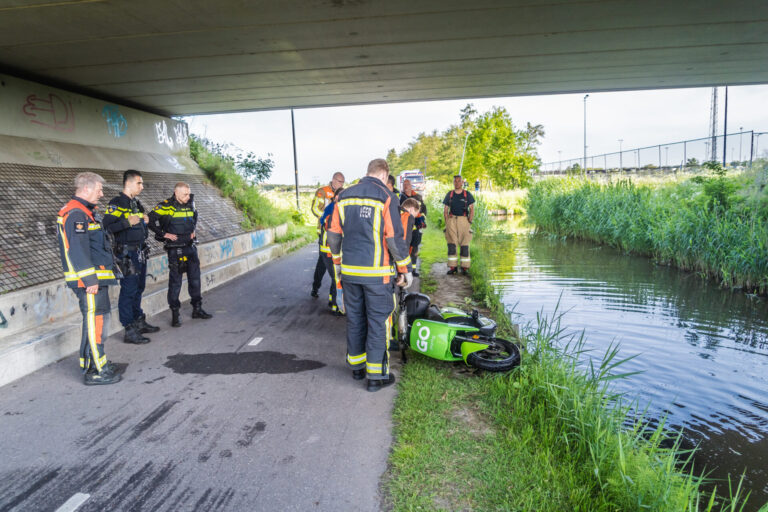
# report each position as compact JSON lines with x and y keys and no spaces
{"x":74,"y":502}
{"x":254,"y":342}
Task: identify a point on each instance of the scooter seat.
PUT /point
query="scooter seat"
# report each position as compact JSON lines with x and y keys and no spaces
{"x":433,"y":313}
{"x":486,"y":326}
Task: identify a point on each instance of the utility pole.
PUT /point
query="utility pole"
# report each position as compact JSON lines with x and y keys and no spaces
{"x":464,"y":152}
{"x":585,"y":133}
{"x":725,"y":125}
{"x":621,"y":157}
{"x":560,"y":161}
{"x":295,"y":163}
{"x":741,"y":143}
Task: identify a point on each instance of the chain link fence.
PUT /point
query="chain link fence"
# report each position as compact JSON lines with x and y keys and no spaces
{"x":735,"y":150}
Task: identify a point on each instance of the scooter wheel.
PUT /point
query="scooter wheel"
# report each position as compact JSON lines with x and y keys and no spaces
{"x":500,"y":356}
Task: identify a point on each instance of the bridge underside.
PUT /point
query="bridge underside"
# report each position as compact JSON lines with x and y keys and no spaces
{"x":192,"y":56}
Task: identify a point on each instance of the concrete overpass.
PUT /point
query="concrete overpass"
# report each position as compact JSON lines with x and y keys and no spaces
{"x":188,"y":57}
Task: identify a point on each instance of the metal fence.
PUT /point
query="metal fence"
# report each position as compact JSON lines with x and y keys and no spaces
{"x":741,"y":149}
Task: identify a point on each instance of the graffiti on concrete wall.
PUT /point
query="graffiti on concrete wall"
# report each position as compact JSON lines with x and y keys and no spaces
{"x":51,"y":112}
{"x":227,"y":248}
{"x":117,"y":124}
{"x":161,"y":129}
{"x":258,"y":239}
{"x":175,"y":138}
{"x":180,"y":131}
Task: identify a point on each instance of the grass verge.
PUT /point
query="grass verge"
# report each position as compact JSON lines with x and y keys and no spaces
{"x":548,"y":436}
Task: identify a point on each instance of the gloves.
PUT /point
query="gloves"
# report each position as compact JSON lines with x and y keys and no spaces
{"x":337,"y":272}
{"x":408,"y":277}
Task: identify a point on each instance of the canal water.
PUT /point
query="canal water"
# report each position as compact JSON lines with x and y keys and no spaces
{"x":702,"y":350}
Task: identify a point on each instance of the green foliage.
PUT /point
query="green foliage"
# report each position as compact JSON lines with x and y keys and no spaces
{"x":220,"y":169}
{"x":716,"y":225}
{"x":254,"y":169}
{"x":496,"y":152}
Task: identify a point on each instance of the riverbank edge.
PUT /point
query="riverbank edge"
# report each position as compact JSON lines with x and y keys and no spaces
{"x":690,"y":258}
{"x":459,"y":445}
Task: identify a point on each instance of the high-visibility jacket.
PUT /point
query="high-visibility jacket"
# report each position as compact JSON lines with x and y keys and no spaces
{"x":86,"y":253}
{"x":366,"y":234}
{"x":116,"y":221}
{"x":325,"y":223}
{"x":322,"y":197}
{"x":176,"y":218}
{"x":408,"y":221}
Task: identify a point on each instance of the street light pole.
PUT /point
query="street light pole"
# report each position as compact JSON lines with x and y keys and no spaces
{"x":560,"y":161}
{"x":621,"y":157}
{"x":585,"y":132}
{"x":295,"y":163}
{"x":461,"y":166}
{"x":741,"y":143}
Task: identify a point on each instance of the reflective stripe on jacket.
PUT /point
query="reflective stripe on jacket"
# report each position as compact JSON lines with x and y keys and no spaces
{"x":321,"y":199}
{"x":86,"y":255}
{"x":366,"y":234}
{"x":171,"y":216}
{"x":116,"y":220}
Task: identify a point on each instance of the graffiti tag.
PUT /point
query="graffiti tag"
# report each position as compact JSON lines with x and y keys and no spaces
{"x":227,"y":248}
{"x":117,"y":125}
{"x":180,"y":130}
{"x":161,"y":130}
{"x":51,"y":112}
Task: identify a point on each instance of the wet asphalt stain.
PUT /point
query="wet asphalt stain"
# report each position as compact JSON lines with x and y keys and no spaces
{"x":250,"y":432}
{"x":240,"y":363}
{"x":8,"y":501}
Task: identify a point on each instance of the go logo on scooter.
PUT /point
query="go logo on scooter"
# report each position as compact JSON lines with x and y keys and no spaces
{"x":422,"y":343}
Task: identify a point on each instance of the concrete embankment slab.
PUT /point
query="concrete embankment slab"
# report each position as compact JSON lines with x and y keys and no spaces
{"x":251,"y":410}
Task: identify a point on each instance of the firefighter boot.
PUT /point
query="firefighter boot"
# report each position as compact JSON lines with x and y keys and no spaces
{"x":94,"y":378}
{"x":375,"y":385}
{"x":198,"y":312}
{"x":144,"y":327}
{"x":175,"y":319}
{"x":132,"y":335}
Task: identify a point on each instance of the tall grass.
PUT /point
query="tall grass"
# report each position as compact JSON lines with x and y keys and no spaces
{"x":715,"y":226}
{"x":510,"y":201}
{"x":257,"y":209}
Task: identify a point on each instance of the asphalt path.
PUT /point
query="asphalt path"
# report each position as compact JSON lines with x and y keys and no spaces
{"x":251,"y":410}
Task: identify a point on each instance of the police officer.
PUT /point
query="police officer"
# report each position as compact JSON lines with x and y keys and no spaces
{"x":86,"y":257}
{"x":323,"y":196}
{"x":126,"y":220}
{"x":173,"y":222}
{"x":458,"y":212}
{"x":368,"y":249}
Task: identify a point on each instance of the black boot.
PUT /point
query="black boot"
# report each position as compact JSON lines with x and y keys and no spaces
{"x":358,"y":374}
{"x":132,"y":335}
{"x":375,"y":385}
{"x":144,"y":327}
{"x":94,"y":378}
{"x":175,"y":319}
{"x":451,"y":271}
{"x":198,"y":312}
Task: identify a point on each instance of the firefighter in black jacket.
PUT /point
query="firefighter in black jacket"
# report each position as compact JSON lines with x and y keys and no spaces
{"x":126,"y":220}
{"x":86,"y":257}
{"x":173,"y":222}
{"x":369,"y":250}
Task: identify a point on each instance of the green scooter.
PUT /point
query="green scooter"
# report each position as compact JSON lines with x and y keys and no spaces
{"x":450,"y":334}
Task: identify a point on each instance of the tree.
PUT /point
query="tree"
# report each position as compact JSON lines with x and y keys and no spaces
{"x":254,"y":169}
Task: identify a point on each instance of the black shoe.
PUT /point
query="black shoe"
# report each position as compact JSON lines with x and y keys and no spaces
{"x":132,"y":335}
{"x":452,"y":271}
{"x":144,"y":327}
{"x":358,"y":374}
{"x":314,"y":294}
{"x":464,"y":271}
{"x":394,"y":345}
{"x":375,"y":385}
{"x":110,"y":367}
{"x":94,"y":378}
{"x":175,"y":318}
{"x":199,"y":312}
{"x":415,"y":273}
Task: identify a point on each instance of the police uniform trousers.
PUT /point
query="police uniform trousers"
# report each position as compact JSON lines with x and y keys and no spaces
{"x":415,"y":243}
{"x":180,"y":260}
{"x":457,"y":234}
{"x":131,"y":290}
{"x":328,"y":265}
{"x":369,"y":310}
{"x":317,"y":280}
{"x":95,"y":309}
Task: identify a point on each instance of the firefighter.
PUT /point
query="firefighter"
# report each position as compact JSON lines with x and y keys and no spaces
{"x":126,"y":220}
{"x":368,"y":249}
{"x":419,"y":224}
{"x":458,"y":213}
{"x":86,"y":257}
{"x":322,"y":197}
{"x":173,"y":222}
{"x":325,"y":223}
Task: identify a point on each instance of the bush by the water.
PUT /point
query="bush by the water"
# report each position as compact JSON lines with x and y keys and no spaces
{"x":715,"y":225}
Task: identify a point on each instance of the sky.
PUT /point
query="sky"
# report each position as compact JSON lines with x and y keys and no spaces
{"x":346,"y":138}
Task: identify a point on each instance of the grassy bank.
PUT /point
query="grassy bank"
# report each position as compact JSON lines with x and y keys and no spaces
{"x":543,"y":437}
{"x":714,"y":225}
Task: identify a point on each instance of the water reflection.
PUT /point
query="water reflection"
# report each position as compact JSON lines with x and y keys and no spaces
{"x":703,"y":350}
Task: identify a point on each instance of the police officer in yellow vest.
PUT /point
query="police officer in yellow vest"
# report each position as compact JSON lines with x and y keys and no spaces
{"x":323,"y":196}
{"x":174,"y":222}
{"x":86,"y":257}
